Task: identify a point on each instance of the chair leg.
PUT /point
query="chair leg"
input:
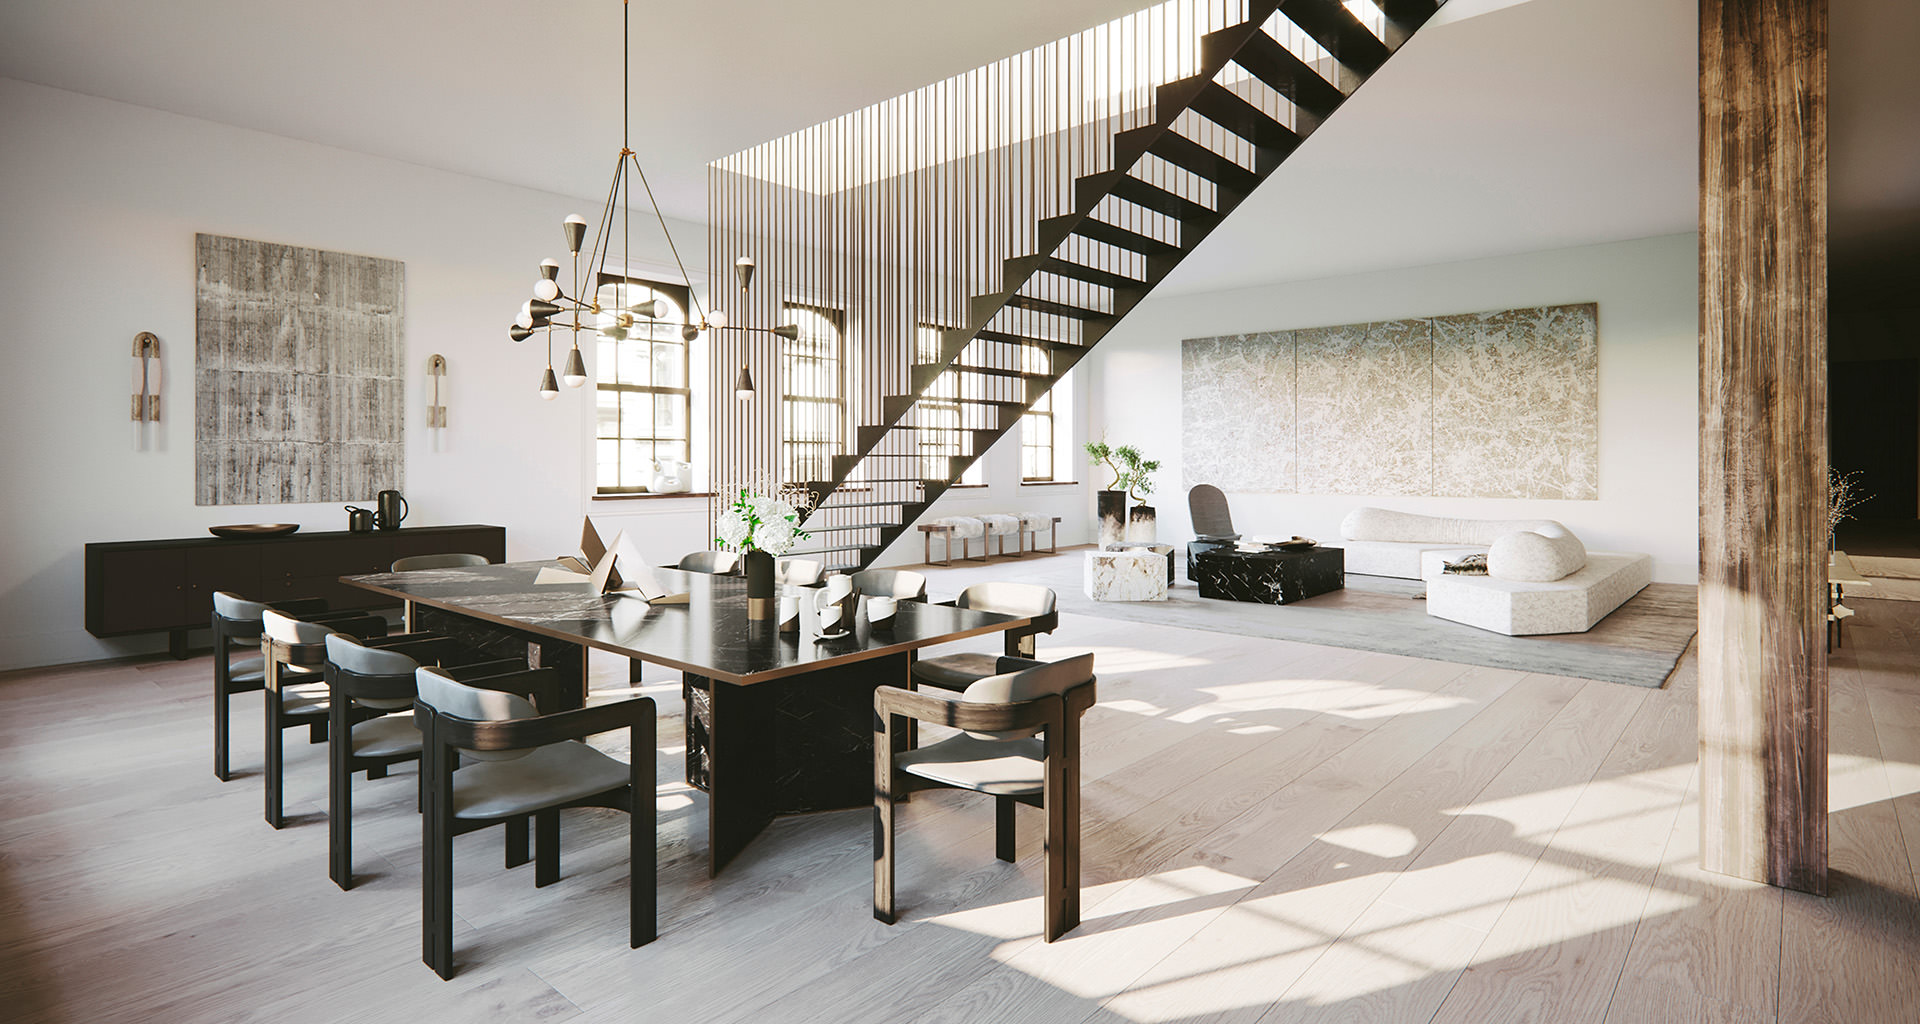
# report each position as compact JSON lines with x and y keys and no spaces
{"x":340,"y":806}
{"x":436,"y":878}
{"x":377,"y":771}
{"x":271,"y":770}
{"x":222,"y":669}
{"x":1062,"y":869}
{"x":1003,"y":835}
{"x":643,"y":854}
{"x":517,"y":842}
{"x":883,"y":779}
{"x":546,"y":847}
{"x":317,"y":732}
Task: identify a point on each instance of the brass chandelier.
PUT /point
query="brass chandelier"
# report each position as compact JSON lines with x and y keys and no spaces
{"x":612,"y":308}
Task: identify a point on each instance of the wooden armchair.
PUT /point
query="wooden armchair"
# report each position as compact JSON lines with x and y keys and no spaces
{"x":294,"y":653}
{"x":526,"y":764}
{"x":237,"y":623}
{"x":1020,"y":744}
{"x":958,"y":671}
{"x":900,"y":584}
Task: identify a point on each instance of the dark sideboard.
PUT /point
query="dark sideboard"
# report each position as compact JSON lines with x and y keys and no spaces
{"x":152,"y":586}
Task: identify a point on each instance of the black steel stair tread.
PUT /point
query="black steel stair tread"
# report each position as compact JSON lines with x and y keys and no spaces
{"x":1288,"y":75}
{"x":1091,"y":275}
{"x":989,"y":371}
{"x":867,"y":504}
{"x":843,"y":529}
{"x":1339,"y":33}
{"x":1114,"y":234}
{"x":1229,"y":110}
{"x":1054,"y":308}
{"x":1010,"y":338}
{"x":1181,"y":151}
{"x":1159,"y":200}
{"x":828,"y":551}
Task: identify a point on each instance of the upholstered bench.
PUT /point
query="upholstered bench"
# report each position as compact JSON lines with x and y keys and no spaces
{"x":1571,"y":604}
{"x":1030,"y":527}
{"x":961,"y":528}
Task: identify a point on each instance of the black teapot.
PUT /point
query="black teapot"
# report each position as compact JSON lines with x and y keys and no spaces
{"x":392,"y":508}
{"x":359,"y":520}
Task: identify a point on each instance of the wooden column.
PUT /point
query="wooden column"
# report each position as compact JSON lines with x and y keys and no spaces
{"x":1763,"y":444}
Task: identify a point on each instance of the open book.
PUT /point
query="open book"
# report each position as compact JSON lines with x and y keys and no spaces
{"x":600,"y":567}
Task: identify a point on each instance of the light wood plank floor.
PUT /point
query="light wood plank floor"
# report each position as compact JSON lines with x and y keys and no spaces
{"x":1273,"y":832}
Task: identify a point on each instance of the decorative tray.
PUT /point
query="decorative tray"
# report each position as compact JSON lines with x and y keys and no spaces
{"x":1260,"y":544}
{"x":254,"y":529}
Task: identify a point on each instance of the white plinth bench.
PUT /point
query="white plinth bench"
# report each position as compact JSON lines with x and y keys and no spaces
{"x":1572,"y":604}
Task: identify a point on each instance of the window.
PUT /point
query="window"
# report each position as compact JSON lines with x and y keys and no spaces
{"x":946,"y":436}
{"x":1036,"y":427}
{"x":813,"y":407}
{"x":642,"y":397}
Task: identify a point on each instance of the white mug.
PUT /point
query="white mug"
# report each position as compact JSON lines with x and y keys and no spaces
{"x":880,"y":610}
{"x":789,"y":614}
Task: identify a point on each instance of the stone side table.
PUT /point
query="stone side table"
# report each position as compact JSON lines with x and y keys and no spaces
{"x":1131,"y":574}
{"x":1271,"y":577}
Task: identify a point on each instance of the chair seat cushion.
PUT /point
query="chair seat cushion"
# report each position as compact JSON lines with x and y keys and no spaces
{"x":997,"y":767}
{"x":302,"y":696}
{"x":553,"y":774}
{"x":246,"y":671}
{"x":386,"y":737}
{"x":955,"y":671}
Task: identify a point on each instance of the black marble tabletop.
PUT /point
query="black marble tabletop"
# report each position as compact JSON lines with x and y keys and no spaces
{"x":710,"y":635}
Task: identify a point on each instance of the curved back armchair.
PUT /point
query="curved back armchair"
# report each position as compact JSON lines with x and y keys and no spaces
{"x":1020,"y":744}
{"x":294,"y":652}
{"x":901,"y":584}
{"x":527,"y":764}
{"x":1208,"y":509}
{"x":958,"y":671}
{"x":236,"y":623}
{"x":719,"y":563}
{"x":449,"y":560}
{"x":797,"y":572}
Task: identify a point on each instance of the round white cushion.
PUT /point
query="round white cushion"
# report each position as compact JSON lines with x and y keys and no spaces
{"x":1541,"y":555}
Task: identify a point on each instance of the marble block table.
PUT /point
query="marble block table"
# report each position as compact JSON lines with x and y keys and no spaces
{"x":1163,"y":550}
{"x":1271,"y":577}
{"x":1129,"y":574}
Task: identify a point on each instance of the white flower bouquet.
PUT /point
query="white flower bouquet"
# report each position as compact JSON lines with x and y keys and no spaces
{"x":754,"y":521}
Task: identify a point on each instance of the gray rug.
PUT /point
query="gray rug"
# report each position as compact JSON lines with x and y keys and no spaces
{"x":1638,"y":644}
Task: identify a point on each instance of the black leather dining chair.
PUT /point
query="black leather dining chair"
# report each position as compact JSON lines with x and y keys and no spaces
{"x":1020,"y":744}
{"x":526,"y":764}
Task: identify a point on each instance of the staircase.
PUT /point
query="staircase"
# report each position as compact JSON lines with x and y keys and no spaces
{"x":1205,"y":146}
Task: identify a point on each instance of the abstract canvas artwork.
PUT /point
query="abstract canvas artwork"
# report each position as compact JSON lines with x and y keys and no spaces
{"x":1502,"y":404}
{"x":298,"y":374}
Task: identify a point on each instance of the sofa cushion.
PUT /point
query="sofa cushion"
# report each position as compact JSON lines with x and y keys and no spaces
{"x":1379,"y":524}
{"x":1541,"y":555}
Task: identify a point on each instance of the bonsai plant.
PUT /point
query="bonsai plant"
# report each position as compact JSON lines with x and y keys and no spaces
{"x":1110,"y":502}
{"x":1137,"y":470}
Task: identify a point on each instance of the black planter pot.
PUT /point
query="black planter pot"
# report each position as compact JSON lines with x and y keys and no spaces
{"x":1141,"y":526}
{"x":1112,"y":506}
{"x":759,"y":568}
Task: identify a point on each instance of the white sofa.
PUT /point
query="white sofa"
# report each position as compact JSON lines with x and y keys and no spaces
{"x":1381,"y":542}
{"x":1540,"y":577}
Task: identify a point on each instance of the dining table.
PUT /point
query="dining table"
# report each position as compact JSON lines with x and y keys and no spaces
{"x":776,"y":722}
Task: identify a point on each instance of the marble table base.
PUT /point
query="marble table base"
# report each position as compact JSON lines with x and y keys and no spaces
{"x":1271,"y":577}
{"x":1125,"y":575}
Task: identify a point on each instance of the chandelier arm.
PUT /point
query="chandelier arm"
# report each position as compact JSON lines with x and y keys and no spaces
{"x":602,"y":240}
{"x":691,"y":295}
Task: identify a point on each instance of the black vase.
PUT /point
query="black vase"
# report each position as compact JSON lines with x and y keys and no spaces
{"x":1112,"y":506}
{"x":759,"y":584}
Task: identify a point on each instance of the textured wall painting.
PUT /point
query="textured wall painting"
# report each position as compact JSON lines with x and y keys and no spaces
{"x":298,"y":374}
{"x":1503,"y":404}
{"x":1223,"y":445}
{"x":1365,"y":408}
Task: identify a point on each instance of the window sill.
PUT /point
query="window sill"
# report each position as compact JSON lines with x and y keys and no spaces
{"x":650,"y":496}
{"x":1049,"y":483}
{"x":967,"y":487}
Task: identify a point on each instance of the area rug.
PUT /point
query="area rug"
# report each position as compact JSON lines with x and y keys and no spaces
{"x":1638,"y":644}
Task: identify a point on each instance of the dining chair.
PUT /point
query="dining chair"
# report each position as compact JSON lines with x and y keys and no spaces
{"x":236,"y":623}
{"x":958,"y":671}
{"x":449,"y":560}
{"x":719,"y":563}
{"x":526,"y":763}
{"x":367,"y":685}
{"x":900,"y":584}
{"x":1020,"y":744}
{"x":294,"y":653}
{"x":797,"y":572}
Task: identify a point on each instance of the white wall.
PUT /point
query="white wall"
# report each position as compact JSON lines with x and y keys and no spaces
{"x":1648,"y":296}
{"x":100,"y":205}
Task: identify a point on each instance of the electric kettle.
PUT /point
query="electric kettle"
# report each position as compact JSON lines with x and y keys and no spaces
{"x":359,"y":520}
{"x":391,"y":509}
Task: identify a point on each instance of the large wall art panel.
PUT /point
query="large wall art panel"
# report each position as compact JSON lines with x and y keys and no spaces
{"x":1365,"y":408}
{"x":1501,"y":404}
{"x":298,"y":377}
{"x":1238,"y":428}
{"x":1516,"y":404}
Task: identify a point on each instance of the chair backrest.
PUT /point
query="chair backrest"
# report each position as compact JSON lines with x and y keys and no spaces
{"x":289,"y":630}
{"x":450,"y":560}
{"x":715,"y":562}
{"x":1208,"y":509}
{"x":1027,"y":599}
{"x":388,"y":672}
{"x":797,"y":572}
{"x":1025,"y":685}
{"x":232,"y":606}
{"x":901,"y":584}
{"x":448,"y":696}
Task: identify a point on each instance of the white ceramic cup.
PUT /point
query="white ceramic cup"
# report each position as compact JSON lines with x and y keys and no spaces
{"x":789,"y":615}
{"x":880,"y":610}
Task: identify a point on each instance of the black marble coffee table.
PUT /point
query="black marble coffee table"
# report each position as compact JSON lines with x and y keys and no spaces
{"x":776,"y":723}
{"x":1270,"y":577}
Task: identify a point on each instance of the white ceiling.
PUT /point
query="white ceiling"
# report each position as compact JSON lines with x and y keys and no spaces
{"x":1531,"y":126}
